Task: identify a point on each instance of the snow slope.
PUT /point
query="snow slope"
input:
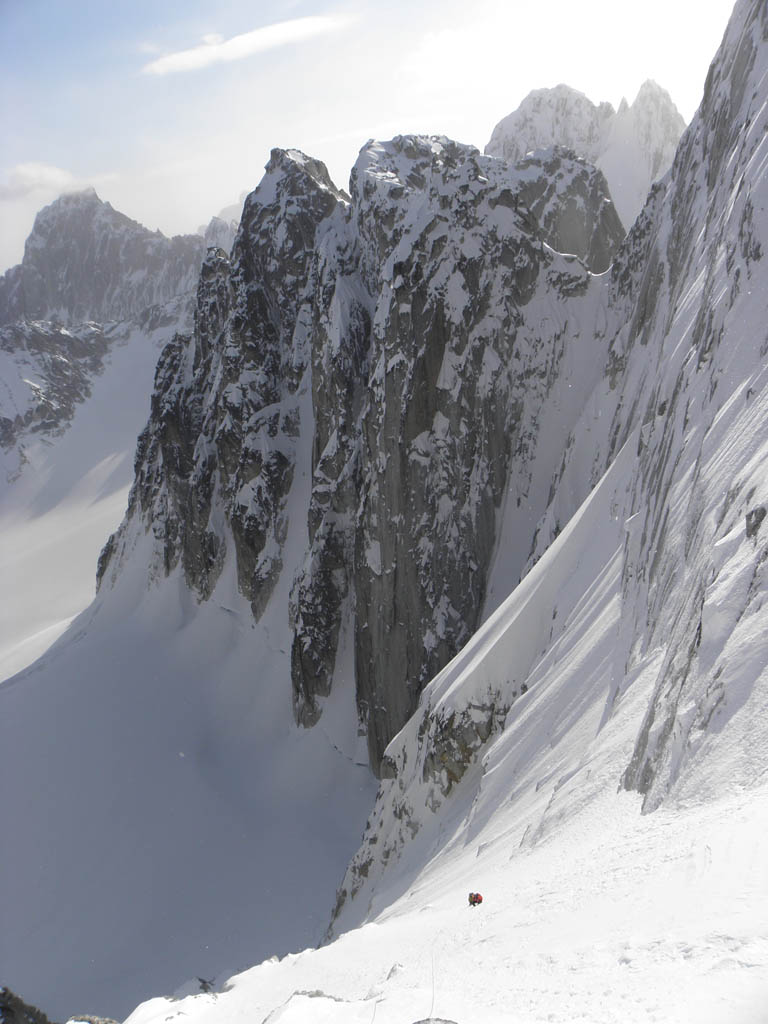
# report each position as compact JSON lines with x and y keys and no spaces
{"x":162,"y":720}
{"x":67,"y":495}
{"x":592,"y":912}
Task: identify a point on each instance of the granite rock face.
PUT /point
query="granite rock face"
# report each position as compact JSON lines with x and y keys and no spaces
{"x":414,"y":307}
{"x":429,"y":362}
{"x":220,"y":444}
{"x":570,"y":202}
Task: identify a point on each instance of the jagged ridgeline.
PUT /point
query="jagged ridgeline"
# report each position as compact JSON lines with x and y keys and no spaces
{"x":425,"y":316}
{"x":86,"y":261}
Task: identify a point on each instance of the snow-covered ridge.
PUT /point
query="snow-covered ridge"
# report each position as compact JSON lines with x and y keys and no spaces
{"x":92,"y":274}
{"x":633,"y":146}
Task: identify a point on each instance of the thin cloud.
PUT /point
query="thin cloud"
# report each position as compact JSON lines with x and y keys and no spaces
{"x":24,"y":179}
{"x":216,"y":50}
{"x":38,"y":179}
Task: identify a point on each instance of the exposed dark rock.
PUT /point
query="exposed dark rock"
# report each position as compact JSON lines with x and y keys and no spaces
{"x":755,"y":518}
{"x":418,"y":382}
{"x":570,"y":201}
{"x":408,"y":302}
{"x":225,"y":408}
{"x":57,"y":366}
{"x":14,"y":1010}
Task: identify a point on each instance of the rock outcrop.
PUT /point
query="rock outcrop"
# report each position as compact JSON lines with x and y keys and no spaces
{"x":47,"y":371}
{"x":220,"y":444}
{"x":571,"y":205}
{"x":416,"y":304}
{"x":14,"y":1010}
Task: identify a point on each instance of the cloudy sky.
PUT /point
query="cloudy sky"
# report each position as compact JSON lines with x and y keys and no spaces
{"x":170,"y":107}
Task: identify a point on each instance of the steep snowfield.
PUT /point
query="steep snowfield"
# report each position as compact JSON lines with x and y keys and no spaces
{"x":154,"y":848}
{"x":592,"y":912}
{"x":568,"y":932}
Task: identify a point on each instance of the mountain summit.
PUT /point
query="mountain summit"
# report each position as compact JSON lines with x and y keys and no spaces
{"x":633,"y":146}
{"x":86,"y":261}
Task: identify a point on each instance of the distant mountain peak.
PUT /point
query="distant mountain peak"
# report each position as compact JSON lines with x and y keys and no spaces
{"x":632,"y":146}
{"x":78,"y":195}
{"x":84,"y":260}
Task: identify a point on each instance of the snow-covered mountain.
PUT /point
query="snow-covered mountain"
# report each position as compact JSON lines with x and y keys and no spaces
{"x":221,"y":230}
{"x":220,"y":233}
{"x":633,"y":146}
{"x":407,"y":427}
{"x":671,"y":441}
{"x":437,"y":321}
{"x":84,"y":316}
{"x":86,"y":269}
{"x":86,"y":261}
